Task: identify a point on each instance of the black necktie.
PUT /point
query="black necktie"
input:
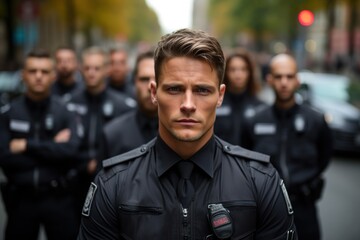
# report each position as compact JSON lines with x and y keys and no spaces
{"x":185,"y":189}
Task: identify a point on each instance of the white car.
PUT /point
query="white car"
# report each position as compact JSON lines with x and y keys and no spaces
{"x":329,"y":93}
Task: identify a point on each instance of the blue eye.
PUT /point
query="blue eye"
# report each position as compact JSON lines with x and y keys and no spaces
{"x":173,"y":89}
{"x":203,"y":91}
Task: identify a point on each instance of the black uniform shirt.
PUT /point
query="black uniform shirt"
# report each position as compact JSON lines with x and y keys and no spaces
{"x":133,"y":197}
{"x":203,"y":162}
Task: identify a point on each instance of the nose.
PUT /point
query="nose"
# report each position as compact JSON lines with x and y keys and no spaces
{"x":38,"y":74}
{"x":284,"y":79}
{"x":188,"y":104}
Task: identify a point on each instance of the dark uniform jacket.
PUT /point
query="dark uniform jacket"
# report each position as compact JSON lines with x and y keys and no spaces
{"x":127,"y":88}
{"x":298,"y":141}
{"x":67,"y":92}
{"x":127,"y":132}
{"x":231,"y":115}
{"x":132,"y":197}
{"x":44,"y":162}
{"x":94,"y":112}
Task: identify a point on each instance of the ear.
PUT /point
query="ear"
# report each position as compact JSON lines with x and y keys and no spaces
{"x":269,"y":79}
{"x":53,"y":76}
{"x":297,"y":81}
{"x":23,"y":75}
{"x":152,"y":86}
{"x":221,"y":95}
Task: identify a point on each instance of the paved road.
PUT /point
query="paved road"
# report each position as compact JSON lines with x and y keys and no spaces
{"x":339,"y":208}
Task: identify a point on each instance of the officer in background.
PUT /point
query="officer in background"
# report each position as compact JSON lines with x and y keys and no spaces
{"x":187,"y":183}
{"x":135,"y":128}
{"x":68,"y":80}
{"x":119,"y":79}
{"x":240,"y":100}
{"x":298,"y":140}
{"x":37,"y":148}
{"x":95,"y":106}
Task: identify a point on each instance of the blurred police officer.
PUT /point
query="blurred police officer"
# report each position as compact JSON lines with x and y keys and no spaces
{"x":119,"y":79}
{"x":136,"y":127}
{"x":187,"y":183}
{"x":298,"y":140}
{"x":68,"y":81}
{"x":37,"y":147}
{"x":240,"y":100}
{"x":95,"y":105}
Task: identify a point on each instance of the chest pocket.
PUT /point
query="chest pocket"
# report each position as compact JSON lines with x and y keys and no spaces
{"x":135,"y":222}
{"x":243,"y":215}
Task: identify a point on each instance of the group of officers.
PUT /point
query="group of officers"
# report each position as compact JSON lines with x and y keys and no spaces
{"x":55,"y":137}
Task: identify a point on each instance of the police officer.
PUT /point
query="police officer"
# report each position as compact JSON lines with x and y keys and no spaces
{"x":187,"y":183}
{"x":37,"y":147}
{"x":298,"y":140}
{"x":240,"y":100}
{"x":95,"y":106}
{"x":119,"y":79}
{"x":135,"y":128}
{"x":68,"y":81}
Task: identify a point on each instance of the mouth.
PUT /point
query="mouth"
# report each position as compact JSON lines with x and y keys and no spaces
{"x":187,"y":122}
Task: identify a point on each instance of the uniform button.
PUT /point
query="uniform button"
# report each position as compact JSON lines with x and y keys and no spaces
{"x":143,"y":149}
{"x":227,"y":148}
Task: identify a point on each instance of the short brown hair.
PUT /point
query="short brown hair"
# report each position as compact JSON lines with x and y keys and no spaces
{"x":190,"y":43}
{"x":140,"y":57}
{"x":95,"y":50}
{"x":39,"y":53}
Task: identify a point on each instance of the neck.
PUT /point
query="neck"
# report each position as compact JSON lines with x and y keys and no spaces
{"x":285,"y":104}
{"x":68,"y":81}
{"x":96,"y":90}
{"x":185,"y":149}
{"x":236,"y":90}
{"x":37,"y":97}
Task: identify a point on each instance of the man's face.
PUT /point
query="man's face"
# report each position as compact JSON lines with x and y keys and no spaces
{"x":118,"y":68}
{"x":94,"y":71}
{"x":38,"y":75}
{"x":66,"y":63}
{"x":187,"y":95}
{"x":145,"y":74}
{"x":238,"y":74}
{"x":283,"y":79}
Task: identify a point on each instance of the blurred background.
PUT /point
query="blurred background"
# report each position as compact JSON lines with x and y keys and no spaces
{"x":323,"y":35}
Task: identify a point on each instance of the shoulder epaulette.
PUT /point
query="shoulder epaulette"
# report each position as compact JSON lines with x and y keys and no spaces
{"x":242,"y":152}
{"x":137,"y":152}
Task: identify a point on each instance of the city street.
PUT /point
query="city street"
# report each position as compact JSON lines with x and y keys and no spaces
{"x":339,"y":211}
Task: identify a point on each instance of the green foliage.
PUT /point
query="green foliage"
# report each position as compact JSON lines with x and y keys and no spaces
{"x":130,"y":19}
{"x":260,"y":18}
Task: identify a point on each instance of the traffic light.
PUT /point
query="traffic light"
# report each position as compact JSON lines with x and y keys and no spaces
{"x":306,"y":18}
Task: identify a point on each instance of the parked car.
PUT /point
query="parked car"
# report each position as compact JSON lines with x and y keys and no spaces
{"x":11,"y":86}
{"x":329,"y":93}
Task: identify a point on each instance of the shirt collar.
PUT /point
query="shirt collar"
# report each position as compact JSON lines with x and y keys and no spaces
{"x":166,"y":157}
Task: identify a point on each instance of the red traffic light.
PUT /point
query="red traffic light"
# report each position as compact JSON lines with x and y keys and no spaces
{"x":306,"y":18}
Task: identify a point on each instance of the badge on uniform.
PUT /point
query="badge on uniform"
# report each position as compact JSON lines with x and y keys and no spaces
{"x":264,"y":128}
{"x":88,"y":201}
{"x":108,"y":109}
{"x":49,"y":122}
{"x":19,"y":126}
{"x":287,"y":199}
